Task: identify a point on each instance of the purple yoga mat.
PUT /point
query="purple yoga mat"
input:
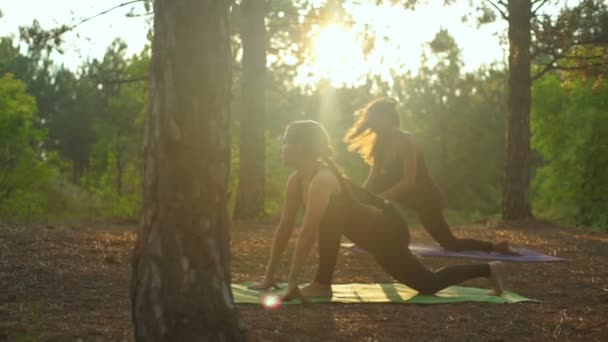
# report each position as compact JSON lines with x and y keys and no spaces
{"x":527,"y":255}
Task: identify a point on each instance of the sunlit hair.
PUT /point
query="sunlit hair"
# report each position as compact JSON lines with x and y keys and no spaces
{"x":360,"y":137}
{"x":314,"y":140}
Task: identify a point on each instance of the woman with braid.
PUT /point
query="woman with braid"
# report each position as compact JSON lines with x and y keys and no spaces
{"x":398,"y":173}
{"x":335,"y":207}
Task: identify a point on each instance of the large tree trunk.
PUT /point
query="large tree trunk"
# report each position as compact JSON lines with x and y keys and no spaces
{"x":516,"y":204}
{"x":252,"y":147}
{"x":181,"y":276}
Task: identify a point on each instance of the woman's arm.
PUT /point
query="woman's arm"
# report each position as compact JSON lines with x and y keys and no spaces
{"x":409,"y":157}
{"x":283,"y":231}
{"x":321,"y":188}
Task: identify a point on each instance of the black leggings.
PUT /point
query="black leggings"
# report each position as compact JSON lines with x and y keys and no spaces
{"x":427,"y":201}
{"x":407,"y":269}
{"x":433,"y":221}
{"x":388,"y":244}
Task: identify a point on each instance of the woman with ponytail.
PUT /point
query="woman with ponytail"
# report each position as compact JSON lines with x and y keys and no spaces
{"x":398,"y":173}
{"x":335,"y":207}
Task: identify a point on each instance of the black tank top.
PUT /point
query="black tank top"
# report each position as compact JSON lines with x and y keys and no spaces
{"x":425,"y":192}
{"x":392,"y":172}
{"x":365,"y":219}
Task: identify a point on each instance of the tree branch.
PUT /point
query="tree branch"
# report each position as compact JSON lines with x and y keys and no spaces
{"x":553,"y":66}
{"x":583,"y":57}
{"x":103,"y":12}
{"x":68,"y":28}
{"x":542,"y":72}
{"x":503,"y":14}
{"x":138,"y":15}
{"x":542,"y":3}
{"x":123,"y":81}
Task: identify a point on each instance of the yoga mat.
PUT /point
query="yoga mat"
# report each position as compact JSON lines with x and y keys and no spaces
{"x":384,"y":293}
{"x":527,"y":255}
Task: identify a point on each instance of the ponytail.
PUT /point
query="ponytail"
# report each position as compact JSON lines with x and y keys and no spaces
{"x":360,"y":138}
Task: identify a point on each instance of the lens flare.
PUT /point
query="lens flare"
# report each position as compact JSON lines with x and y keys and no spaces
{"x":271,"y":301}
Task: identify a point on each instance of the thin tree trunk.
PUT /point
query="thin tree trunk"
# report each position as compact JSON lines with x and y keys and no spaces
{"x":443,"y":149}
{"x":252,"y":147}
{"x":118,"y":165}
{"x":516,"y":203}
{"x":181,"y":276}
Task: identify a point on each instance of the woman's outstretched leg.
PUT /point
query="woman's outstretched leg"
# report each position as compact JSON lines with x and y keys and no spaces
{"x":407,"y":269}
{"x":433,"y":221}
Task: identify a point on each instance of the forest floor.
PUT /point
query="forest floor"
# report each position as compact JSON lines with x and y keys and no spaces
{"x":70,"y":283}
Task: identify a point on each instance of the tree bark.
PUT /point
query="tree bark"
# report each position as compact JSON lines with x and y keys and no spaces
{"x":252,"y":147}
{"x":516,"y":204}
{"x":181,"y":275}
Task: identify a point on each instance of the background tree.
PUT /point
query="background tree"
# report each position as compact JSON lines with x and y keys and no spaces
{"x":515,"y":203}
{"x":250,"y":193}
{"x":555,"y":38}
{"x":181,"y":274}
{"x":455,"y":116}
{"x":115,"y":159}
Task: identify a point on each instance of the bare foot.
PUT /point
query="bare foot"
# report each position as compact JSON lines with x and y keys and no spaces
{"x":496,"y":272}
{"x":265,"y":284}
{"x":503,"y":247}
{"x":316,"y":290}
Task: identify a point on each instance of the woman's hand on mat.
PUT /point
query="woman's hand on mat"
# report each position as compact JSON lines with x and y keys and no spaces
{"x":265,"y":284}
{"x":294,"y":293}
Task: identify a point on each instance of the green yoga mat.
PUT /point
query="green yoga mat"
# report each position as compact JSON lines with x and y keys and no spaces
{"x":385,"y":293}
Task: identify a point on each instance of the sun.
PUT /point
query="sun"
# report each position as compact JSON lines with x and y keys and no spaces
{"x":338,"y":55}
{"x":381,"y":42}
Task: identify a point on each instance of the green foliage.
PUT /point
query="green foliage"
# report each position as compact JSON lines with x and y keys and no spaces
{"x":89,"y":131}
{"x":107,"y":201}
{"x":25,"y":167}
{"x":113,"y":175}
{"x":66,"y":103}
{"x":72,"y":146}
{"x":574,"y":40}
{"x":570,"y":125}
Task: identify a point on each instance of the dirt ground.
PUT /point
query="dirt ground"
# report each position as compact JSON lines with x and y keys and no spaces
{"x":69,"y":283}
